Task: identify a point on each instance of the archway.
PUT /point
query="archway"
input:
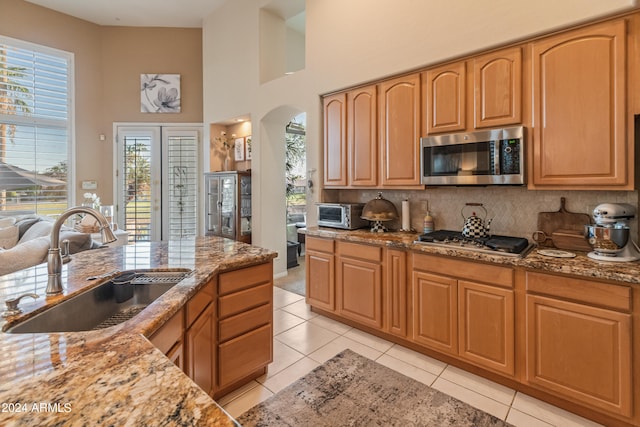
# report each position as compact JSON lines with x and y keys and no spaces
{"x":269,"y":185}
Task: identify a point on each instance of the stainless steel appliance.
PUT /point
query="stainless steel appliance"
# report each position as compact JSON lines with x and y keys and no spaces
{"x":487,"y":157}
{"x":341,"y":215}
{"x":609,"y":237}
{"x":493,"y":245}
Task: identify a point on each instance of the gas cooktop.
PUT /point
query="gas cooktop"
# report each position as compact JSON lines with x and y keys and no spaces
{"x":495,"y":244}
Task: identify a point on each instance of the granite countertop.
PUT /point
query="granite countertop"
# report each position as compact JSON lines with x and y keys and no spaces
{"x":114,"y":376}
{"x":581,"y":265}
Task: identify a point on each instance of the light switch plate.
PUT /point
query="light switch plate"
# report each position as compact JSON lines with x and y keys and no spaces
{"x":89,"y":185}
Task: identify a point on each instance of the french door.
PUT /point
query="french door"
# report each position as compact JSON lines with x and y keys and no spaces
{"x":157,"y":181}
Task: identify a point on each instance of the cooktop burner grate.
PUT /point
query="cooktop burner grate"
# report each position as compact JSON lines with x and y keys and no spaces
{"x":496,"y":244}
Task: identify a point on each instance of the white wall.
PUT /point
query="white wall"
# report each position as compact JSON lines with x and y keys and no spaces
{"x":295,"y":46}
{"x":349,"y":42}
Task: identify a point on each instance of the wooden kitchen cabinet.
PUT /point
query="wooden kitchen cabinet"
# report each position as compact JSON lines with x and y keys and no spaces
{"x":335,"y":140}
{"x":200,"y":352}
{"x":435,"y":311}
{"x":564,"y":339}
{"x":351,"y":138}
{"x":169,"y":339}
{"x":359,"y":283}
{"x":395,"y":292}
{"x":399,"y":120}
{"x":176,"y":355}
{"x":579,"y":340}
{"x":244,"y":355}
{"x":199,"y":338}
{"x":320,"y":273}
{"x":486,"y":325}
{"x":445,"y":90}
{"x":362,"y":137}
{"x":497,"y":88}
{"x":579,"y":110}
{"x":465,"y":309}
{"x":223,"y":336}
{"x":245,"y":325}
{"x":187,"y":339}
{"x":487,"y":87}
{"x":371,"y":135}
{"x":370,"y":285}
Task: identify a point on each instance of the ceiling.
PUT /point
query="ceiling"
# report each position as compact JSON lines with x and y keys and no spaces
{"x":136,"y":13}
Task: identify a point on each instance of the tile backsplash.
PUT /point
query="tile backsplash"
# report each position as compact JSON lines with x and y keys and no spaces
{"x":514,"y":209}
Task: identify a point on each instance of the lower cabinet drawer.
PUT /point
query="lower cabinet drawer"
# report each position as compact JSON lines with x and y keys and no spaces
{"x":232,"y":327}
{"x":244,"y":300}
{"x":243,"y":355}
{"x":234,"y":281}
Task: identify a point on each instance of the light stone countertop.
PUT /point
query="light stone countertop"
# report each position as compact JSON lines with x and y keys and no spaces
{"x":581,"y":265}
{"x":114,"y":376}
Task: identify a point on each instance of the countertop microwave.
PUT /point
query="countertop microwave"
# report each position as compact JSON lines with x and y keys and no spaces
{"x":490,"y":157}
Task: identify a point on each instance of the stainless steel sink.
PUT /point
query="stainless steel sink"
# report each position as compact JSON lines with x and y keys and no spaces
{"x":108,"y":304}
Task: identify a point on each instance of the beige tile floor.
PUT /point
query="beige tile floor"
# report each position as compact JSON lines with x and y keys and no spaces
{"x":303,"y":340}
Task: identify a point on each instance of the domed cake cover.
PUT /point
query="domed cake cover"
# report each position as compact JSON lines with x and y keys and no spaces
{"x":379,"y":209}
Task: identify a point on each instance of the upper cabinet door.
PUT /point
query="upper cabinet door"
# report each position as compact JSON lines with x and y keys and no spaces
{"x":400,"y":131}
{"x":497,"y":88}
{"x":362,"y":139}
{"x":446,"y":98}
{"x":335,"y":140}
{"x":579,"y":93}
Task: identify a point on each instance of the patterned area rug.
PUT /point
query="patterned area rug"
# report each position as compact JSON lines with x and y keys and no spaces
{"x":351,"y":390}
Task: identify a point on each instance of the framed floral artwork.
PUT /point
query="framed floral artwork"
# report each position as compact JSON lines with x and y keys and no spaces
{"x":160,"y":93}
{"x":247,"y":146}
{"x":238,"y":153}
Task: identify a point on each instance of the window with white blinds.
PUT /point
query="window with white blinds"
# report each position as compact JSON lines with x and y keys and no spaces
{"x":35,"y":127}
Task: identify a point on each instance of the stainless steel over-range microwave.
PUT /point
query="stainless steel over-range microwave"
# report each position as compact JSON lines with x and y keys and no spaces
{"x":487,"y":157}
{"x":341,"y":215}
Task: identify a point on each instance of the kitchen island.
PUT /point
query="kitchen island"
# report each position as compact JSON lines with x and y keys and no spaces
{"x":563,"y":330}
{"x":113,"y":376}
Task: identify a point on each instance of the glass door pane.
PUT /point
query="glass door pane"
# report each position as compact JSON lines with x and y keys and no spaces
{"x":139,"y":182}
{"x":228,"y":206}
{"x":245,"y":205}
{"x":213,"y":200}
{"x":180,"y":183}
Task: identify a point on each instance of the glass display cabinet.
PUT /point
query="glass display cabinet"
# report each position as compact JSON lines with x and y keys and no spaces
{"x":228,"y":205}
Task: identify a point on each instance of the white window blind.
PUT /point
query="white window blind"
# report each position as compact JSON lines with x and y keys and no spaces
{"x":180,"y":184}
{"x":35,"y":127}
